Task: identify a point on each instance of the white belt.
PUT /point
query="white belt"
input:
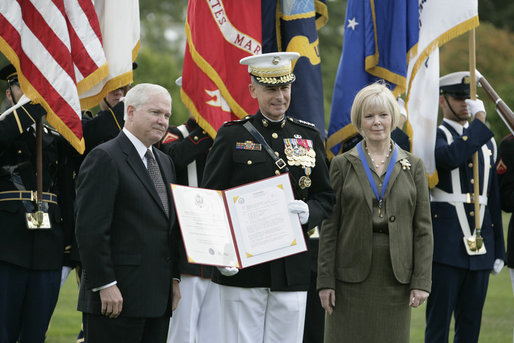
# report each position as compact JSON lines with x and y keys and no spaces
{"x":438,"y":195}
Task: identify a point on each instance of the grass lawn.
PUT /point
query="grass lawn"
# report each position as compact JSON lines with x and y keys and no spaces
{"x":497,"y":319}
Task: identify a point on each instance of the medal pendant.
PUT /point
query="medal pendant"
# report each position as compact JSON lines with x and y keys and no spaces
{"x":301,"y":182}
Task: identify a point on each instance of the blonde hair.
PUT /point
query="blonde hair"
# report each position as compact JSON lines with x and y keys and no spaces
{"x":376,"y":95}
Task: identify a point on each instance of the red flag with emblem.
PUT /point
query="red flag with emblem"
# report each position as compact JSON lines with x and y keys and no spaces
{"x":214,"y":84}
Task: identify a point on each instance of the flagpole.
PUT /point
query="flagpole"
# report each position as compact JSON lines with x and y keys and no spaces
{"x":39,"y":169}
{"x":473,"y":96}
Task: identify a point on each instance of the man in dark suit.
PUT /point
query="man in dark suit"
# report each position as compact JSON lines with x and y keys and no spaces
{"x":460,"y":270}
{"x":125,"y":228}
{"x":266,"y":302}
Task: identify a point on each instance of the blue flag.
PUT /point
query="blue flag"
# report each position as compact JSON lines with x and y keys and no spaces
{"x":291,"y":25}
{"x":379,"y":36}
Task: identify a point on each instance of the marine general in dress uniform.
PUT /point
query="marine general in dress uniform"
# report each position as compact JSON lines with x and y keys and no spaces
{"x":460,"y":272}
{"x":266,"y":302}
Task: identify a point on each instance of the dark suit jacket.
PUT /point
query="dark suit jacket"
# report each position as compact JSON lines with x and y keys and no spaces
{"x":123,"y":232}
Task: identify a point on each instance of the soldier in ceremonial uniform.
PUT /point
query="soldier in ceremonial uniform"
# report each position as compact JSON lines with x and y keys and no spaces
{"x":460,"y":273}
{"x":266,"y":302}
{"x":31,"y":260}
{"x":505,"y":170}
{"x":197,"y":317}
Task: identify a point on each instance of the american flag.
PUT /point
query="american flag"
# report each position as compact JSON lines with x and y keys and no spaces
{"x":56,"y":47}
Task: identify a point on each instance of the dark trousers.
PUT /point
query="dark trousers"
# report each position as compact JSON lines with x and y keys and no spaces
{"x":101,"y":329}
{"x":27,"y":301}
{"x":460,"y":292}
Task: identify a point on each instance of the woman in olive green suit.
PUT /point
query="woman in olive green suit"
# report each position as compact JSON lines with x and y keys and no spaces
{"x":375,"y":253}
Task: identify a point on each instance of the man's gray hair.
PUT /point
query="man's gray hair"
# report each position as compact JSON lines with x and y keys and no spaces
{"x":138,"y":95}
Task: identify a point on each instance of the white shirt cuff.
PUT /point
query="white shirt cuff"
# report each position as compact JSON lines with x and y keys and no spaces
{"x":104,"y":287}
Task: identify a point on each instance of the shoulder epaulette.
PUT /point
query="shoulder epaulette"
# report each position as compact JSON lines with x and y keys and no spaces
{"x":238,"y":121}
{"x":302,"y":122}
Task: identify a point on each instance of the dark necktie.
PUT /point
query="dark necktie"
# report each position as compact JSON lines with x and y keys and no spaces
{"x":155,"y":175}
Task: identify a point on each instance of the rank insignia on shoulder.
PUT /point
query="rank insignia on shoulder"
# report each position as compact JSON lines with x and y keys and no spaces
{"x":169,"y":137}
{"x":299,"y":121}
{"x":248,"y":145}
{"x":238,"y":121}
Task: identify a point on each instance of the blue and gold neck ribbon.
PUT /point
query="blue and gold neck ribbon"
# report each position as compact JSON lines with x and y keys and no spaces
{"x":370,"y":177}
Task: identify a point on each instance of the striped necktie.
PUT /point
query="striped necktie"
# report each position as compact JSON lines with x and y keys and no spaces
{"x":155,"y":175}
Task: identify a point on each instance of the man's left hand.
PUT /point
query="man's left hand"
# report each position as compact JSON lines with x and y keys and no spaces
{"x":301,"y":208}
{"x":176,"y":295}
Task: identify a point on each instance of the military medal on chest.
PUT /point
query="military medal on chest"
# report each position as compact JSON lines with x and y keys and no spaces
{"x":300,"y":152}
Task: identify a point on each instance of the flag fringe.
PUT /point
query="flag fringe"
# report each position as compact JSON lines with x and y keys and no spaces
{"x":213,"y":75}
{"x":339,"y":137}
{"x":114,"y":83}
{"x":438,"y":42}
{"x":199,"y":119}
{"x":322,"y":11}
{"x":93,"y":79}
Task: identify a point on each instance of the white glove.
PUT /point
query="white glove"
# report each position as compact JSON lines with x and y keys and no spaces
{"x":64,"y":274}
{"x":228,"y":271}
{"x":497,"y":266}
{"x":475,"y":106}
{"x":301,"y":208}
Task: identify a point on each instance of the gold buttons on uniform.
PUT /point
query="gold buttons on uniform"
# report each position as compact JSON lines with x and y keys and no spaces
{"x":249,"y":162}
{"x":472,"y":213}
{"x":435,"y":215}
{"x":276,"y":153}
{"x":472,"y":181}
{"x":274,"y":135}
{"x":19,"y":151}
{"x":392,"y":219}
{"x":470,"y":165}
{"x":277,"y":172}
{"x":195,"y":138}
